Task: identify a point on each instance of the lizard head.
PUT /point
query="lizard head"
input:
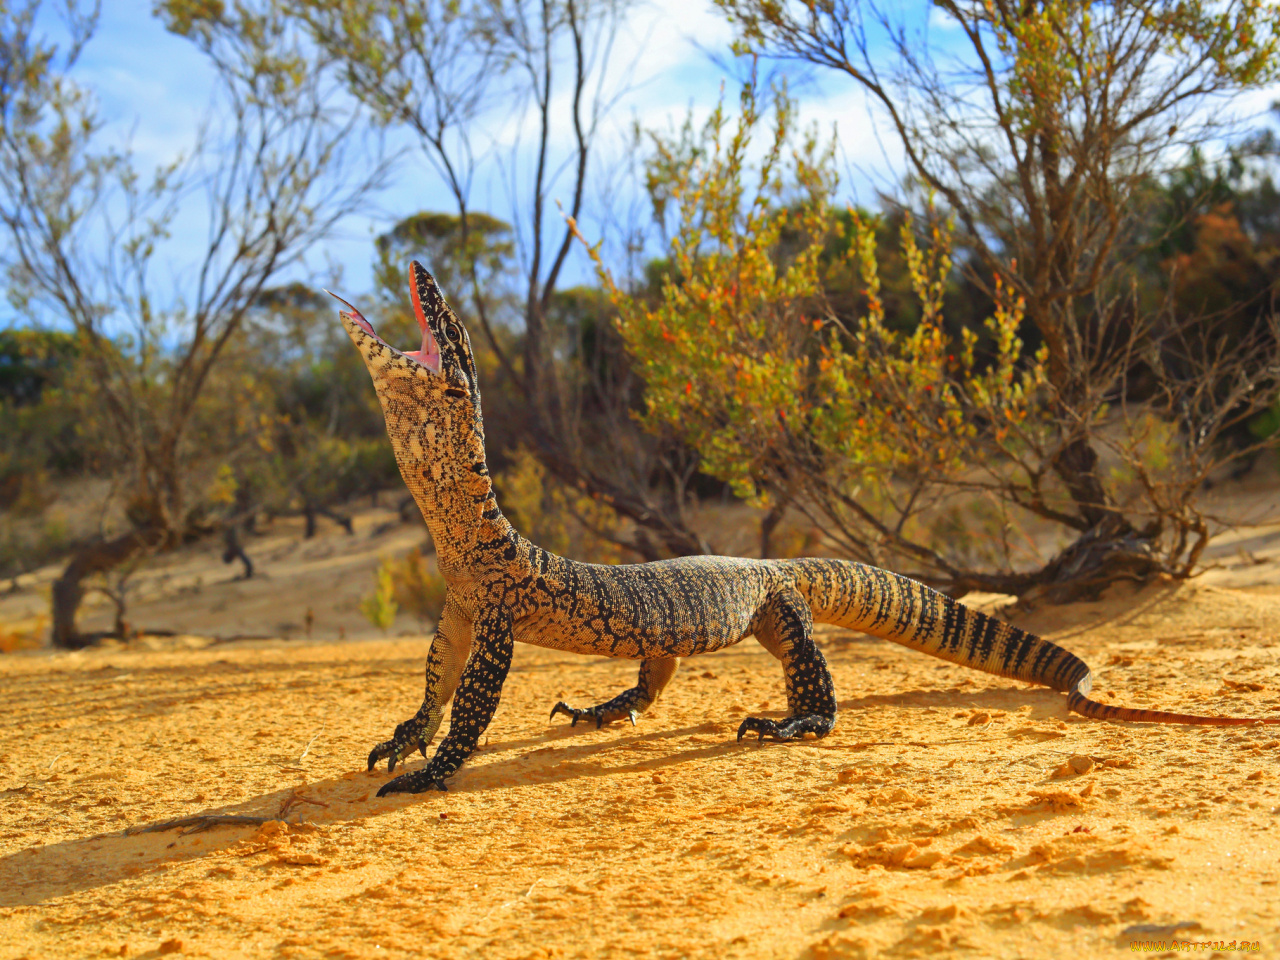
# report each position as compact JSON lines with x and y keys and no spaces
{"x":430,"y":395}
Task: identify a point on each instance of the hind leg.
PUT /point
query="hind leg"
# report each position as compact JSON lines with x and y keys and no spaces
{"x":654,"y":675}
{"x":785,"y":629}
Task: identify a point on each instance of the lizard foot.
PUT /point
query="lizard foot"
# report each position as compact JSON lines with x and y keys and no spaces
{"x":793,"y":728}
{"x":409,"y":736}
{"x":578,"y":713}
{"x":419,"y":781}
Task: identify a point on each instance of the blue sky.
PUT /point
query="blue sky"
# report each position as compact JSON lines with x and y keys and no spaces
{"x":154,"y":88}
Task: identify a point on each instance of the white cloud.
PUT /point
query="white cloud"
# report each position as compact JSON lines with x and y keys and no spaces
{"x":939,"y":19}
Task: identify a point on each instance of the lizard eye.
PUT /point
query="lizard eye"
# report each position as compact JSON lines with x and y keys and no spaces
{"x":452,"y":334}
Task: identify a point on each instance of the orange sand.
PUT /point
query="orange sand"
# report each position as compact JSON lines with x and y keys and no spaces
{"x":948,"y":811}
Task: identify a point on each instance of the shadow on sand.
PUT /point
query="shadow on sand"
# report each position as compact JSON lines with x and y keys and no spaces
{"x":44,"y":872}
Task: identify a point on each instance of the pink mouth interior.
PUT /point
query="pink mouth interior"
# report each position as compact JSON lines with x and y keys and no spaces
{"x":429,"y":353}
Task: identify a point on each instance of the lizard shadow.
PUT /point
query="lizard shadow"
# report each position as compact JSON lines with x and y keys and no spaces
{"x":39,"y":873}
{"x":1044,"y":704}
{"x":36,"y":874}
{"x":560,"y":753}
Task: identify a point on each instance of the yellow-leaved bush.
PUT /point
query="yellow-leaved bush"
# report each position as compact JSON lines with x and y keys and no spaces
{"x":789,"y":390}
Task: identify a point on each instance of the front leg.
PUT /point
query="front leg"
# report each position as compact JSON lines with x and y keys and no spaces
{"x":445,"y":663}
{"x":477,"y":698}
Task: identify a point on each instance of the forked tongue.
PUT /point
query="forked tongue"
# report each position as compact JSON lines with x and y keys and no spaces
{"x":351,"y":313}
{"x":428,"y":356}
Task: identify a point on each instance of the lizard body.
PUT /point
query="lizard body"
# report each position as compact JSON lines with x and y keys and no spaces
{"x":503,"y":588}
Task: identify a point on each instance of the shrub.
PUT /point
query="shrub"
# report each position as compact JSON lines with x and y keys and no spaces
{"x":380,"y":607}
{"x":418,"y":587}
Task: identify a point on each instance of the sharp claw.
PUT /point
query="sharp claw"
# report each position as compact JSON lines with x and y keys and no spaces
{"x":422,"y":748}
{"x":599,"y":721}
{"x":401,"y":784}
{"x":391,"y":764}
{"x":631,"y":715}
{"x":574,"y":722}
{"x":554,"y":711}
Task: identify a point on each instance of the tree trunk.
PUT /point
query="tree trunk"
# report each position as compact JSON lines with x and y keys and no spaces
{"x":768,"y":523}
{"x":234,"y":550}
{"x":311,"y":512}
{"x":1070,"y":373}
{"x":68,"y":590}
{"x":1109,"y":552}
{"x":1077,"y":466}
{"x":340,"y":519}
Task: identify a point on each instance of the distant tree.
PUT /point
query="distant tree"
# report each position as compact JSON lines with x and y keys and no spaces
{"x":45,"y":430}
{"x":277,"y":166}
{"x":323,"y":440}
{"x":453,"y":74}
{"x":1216,"y":231}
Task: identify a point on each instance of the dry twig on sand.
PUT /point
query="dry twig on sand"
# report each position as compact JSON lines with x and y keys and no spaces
{"x":204,"y":821}
{"x":199,"y":822}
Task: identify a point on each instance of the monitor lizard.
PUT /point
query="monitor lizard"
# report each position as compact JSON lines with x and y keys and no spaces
{"x":501,"y":588}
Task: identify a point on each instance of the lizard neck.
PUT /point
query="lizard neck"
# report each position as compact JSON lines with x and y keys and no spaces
{"x":459,"y":505}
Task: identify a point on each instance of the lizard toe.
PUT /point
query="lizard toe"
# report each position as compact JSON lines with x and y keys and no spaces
{"x":816,"y":723}
{"x":562,"y":707}
{"x":409,"y":736}
{"x":793,"y":728}
{"x":419,"y":781}
{"x":381,"y":752}
{"x":577,"y":713}
{"x":762,"y":726}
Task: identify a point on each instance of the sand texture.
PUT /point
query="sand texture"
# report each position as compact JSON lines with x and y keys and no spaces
{"x":949,"y":811}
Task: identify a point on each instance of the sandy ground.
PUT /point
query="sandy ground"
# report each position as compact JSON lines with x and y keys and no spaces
{"x":948,"y":812}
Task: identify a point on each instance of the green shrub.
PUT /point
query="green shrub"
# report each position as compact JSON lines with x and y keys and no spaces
{"x":418,"y":587}
{"x":380,"y":607}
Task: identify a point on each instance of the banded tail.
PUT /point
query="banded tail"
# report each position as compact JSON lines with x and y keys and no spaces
{"x":892,"y":607}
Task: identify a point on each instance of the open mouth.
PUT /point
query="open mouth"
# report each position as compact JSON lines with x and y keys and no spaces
{"x":428,"y":355}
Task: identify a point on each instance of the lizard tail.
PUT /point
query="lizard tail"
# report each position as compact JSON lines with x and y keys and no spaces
{"x":892,"y":607}
{"x":1079,"y":703}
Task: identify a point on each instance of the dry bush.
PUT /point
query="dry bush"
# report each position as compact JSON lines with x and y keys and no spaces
{"x":13,"y":639}
{"x":912,"y":448}
{"x":380,"y":607}
{"x":418,"y":587}
{"x":557,"y":517}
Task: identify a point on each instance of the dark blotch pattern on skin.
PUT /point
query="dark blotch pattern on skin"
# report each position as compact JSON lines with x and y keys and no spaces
{"x":502,"y":588}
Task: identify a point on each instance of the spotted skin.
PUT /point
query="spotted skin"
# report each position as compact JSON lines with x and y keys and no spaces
{"x":785,"y":628}
{"x":445,"y":665}
{"x":502,"y":588}
{"x":477,"y":697}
